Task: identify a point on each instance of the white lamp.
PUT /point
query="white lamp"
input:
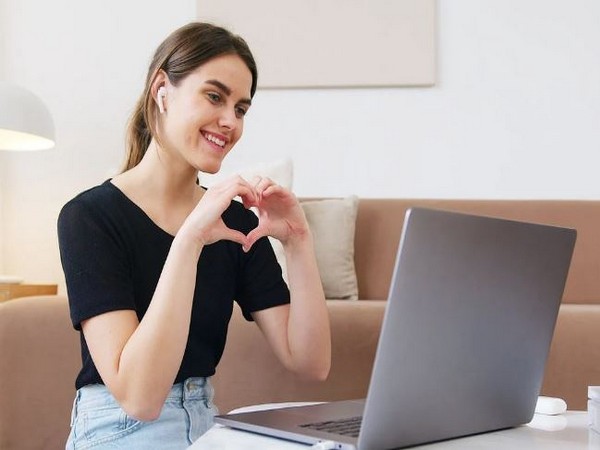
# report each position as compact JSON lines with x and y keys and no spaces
{"x":25,"y":122}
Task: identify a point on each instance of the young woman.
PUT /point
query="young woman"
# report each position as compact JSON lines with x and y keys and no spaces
{"x":153,"y":261}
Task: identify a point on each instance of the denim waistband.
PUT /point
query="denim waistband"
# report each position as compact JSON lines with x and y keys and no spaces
{"x":98,"y":395}
{"x":194,"y":388}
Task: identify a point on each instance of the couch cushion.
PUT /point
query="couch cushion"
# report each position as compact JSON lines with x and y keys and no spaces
{"x":379,"y":224}
{"x":249,"y":372}
{"x":40,"y":360}
{"x":574,"y":360}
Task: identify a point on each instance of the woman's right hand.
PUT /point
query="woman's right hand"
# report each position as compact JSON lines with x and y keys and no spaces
{"x":204,"y":224}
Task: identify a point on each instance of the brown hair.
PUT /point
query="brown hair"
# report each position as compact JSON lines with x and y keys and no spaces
{"x":182,"y":52}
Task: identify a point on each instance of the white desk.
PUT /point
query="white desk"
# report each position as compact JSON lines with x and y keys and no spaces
{"x":568,"y":431}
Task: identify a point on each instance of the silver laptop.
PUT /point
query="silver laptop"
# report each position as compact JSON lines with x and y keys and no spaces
{"x":466,"y":332}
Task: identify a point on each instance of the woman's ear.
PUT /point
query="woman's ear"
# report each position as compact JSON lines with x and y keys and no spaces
{"x":160,"y":96}
{"x":158,"y":90}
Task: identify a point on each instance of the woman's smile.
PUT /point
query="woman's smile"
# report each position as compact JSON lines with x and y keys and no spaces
{"x":216,"y":141}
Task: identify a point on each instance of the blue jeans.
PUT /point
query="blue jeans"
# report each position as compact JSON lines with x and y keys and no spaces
{"x":98,"y":421}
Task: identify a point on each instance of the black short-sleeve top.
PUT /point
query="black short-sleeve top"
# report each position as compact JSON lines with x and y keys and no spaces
{"x":113,"y":254}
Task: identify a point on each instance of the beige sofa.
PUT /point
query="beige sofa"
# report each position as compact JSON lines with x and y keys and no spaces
{"x":39,"y":351}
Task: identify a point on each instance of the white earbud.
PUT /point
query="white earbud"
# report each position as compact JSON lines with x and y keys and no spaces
{"x":162,"y":92}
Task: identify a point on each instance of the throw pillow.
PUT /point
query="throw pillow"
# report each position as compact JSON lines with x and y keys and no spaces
{"x":333,"y":222}
{"x":281,"y":171}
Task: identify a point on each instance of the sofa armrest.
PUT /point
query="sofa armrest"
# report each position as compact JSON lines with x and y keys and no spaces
{"x":39,"y":363}
{"x":574,"y":359}
{"x":249,"y":373}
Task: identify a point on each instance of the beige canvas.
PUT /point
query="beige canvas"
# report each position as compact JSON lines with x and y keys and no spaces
{"x":333,"y":43}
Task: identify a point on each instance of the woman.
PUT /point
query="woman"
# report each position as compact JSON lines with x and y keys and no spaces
{"x":153,"y":261}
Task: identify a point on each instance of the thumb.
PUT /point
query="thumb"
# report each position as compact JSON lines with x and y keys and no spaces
{"x":254,"y":236}
{"x":235,"y":236}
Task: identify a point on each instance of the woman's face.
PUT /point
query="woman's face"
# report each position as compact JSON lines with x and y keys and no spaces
{"x":204,"y":115}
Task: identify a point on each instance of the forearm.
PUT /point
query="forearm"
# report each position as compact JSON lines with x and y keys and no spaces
{"x":152,"y":356}
{"x":308,"y":327}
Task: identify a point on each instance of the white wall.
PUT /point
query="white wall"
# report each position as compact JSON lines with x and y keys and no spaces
{"x":2,"y":77}
{"x":515,"y":112}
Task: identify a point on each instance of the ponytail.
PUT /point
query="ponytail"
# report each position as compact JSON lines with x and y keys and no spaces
{"x":139,"y":135}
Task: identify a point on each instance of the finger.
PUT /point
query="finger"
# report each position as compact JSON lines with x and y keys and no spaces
{"x":255,"y":180}
{"x":235,"y":236}
{"x":249,"y":199}
{"x":235,"y":180}
{"x":274,"y":189}
{"x":254,"y":236}
{"x":237,"y":186}
{"x":263,"y":184}
{"x":248,"y":195}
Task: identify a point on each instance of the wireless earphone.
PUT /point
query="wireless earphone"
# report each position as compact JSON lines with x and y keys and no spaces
{"x":162,"y":92}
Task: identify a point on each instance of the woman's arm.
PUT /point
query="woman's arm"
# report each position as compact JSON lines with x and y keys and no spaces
{"x":138,"y":361}
{"x":299,"y":333}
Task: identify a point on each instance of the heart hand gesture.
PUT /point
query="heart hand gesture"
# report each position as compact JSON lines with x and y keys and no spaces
{"x":279,"y":213}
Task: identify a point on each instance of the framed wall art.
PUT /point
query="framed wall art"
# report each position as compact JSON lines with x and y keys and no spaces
{"x":333,"y":43}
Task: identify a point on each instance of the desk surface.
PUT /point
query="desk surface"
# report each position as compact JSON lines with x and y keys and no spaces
{"x":567,"y":431}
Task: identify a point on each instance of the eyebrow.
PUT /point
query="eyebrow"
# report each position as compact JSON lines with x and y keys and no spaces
{"x":227,"y":90}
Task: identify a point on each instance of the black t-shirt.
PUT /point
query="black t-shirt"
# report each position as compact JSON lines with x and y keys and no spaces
{"x":113,"y":254}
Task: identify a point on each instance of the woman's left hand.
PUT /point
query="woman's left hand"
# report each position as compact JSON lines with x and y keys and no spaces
{"x":279,"y":213}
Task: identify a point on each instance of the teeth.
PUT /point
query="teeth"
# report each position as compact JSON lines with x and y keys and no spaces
{"x":214,"y":139}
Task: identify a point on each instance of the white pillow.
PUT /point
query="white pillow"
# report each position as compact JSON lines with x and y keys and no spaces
{"x":332,"y":223}
{"x":280,"y":171}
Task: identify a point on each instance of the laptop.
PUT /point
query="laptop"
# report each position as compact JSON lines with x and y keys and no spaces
{"x":466,"y":332}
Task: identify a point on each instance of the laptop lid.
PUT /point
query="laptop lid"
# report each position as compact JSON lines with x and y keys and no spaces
{"x":467,"y":328}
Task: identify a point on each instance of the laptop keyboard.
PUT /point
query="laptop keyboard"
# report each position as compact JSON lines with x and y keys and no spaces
{"x":346,"y":427}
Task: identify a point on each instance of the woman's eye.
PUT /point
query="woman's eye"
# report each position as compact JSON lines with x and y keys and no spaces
{"x":240,"y":112}
{"x":214,"y":97}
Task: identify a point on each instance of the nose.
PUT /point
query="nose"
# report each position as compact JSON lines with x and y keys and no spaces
{"x":228,"y":119}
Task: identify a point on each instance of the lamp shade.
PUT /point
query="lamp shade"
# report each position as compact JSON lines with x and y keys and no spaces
{"x":25,"y":122}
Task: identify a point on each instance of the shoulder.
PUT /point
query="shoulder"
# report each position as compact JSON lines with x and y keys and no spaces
{"x":105,"y":195}
{"x":97,"y":194}
{"x":94,"y":202}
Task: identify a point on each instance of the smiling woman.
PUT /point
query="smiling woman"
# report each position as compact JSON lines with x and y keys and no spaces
{"x":203,"y":113}
{"x":170,"y":257}
{"x":176,"y":61}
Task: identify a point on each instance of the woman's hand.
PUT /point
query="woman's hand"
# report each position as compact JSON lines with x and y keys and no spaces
{"x":205,"y":225}
{"x":279,"y":213}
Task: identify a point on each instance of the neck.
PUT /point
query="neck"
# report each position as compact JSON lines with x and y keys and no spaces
{"x":164,"y":176}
